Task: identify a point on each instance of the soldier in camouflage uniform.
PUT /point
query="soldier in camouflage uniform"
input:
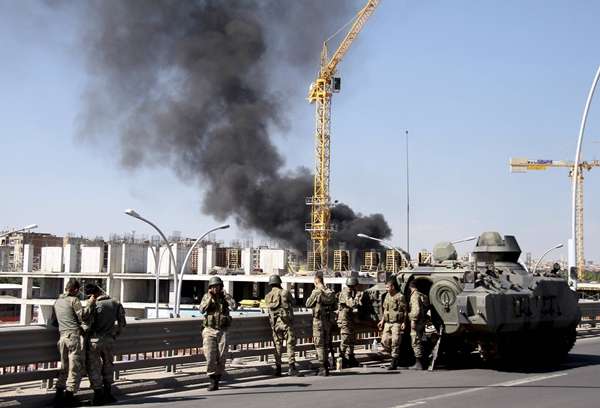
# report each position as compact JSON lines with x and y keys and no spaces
{"x":281,"y":316}
{"x":215,"y":306}
{"x":348,"y":300}
{"x":322,"y":301}
{"x":72,"y":320}
{"x":100,"y":342}
{"x":392,"y":322}
{"x":418,"y":316}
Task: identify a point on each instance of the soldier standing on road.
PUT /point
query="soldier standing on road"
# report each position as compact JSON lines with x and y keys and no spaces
{"x":215,"y":306}
{"x":72,"y":321}
{"x":322,"y":301}
{"x":100,"y":342}
{"x":392,"y":322}
{"x":281,"y":316}
{"x":349,"y":299}
{"x":418,"y":316}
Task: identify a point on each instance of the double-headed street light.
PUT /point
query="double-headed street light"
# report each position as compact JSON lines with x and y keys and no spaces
{"x":185,"y":261}
{"x":28,"y":227}
{"x":545,"y":253}
{"x":388,"y":245}
{"x":134,"y":214}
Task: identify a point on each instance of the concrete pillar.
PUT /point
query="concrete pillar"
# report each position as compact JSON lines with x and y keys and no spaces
{"x":44,"y":314}
{"x":228,"y":286}
{"x":27,"y":258}
{"x":25,"y":314}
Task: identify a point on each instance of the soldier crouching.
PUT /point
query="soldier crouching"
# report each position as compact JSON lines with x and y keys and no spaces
{"x":215,"y":306}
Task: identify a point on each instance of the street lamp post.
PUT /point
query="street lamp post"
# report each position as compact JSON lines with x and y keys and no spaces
{"x":185,"y":261}
{"x":28,"y":227}
{"x":386,"y":244}
{"x":134,"y":214}
{"x":542,"y":257}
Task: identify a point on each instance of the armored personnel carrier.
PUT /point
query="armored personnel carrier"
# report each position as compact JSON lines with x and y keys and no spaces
{"x":492,"y":303}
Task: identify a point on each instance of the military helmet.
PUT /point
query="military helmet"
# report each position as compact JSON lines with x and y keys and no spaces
{"x":274,"y":280}
{"x":352,"y":281}
{"x":214,"y":281}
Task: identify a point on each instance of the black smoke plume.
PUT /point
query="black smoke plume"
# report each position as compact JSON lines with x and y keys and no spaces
{"x":191,"y":85}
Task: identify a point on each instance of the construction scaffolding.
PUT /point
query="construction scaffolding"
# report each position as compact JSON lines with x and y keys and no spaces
{"x":370,"y":261}
{"x":341,"y":260}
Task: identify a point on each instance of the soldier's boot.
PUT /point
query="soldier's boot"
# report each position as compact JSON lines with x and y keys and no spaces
{"x":98,"y":398}
{"x":352,"y":361}
{"x":59,"y":397}
{"x":70,"y":400}
{"x":213,"y":385}
{"x":418,"y":365}
{"x":293,"y":371}
{"x":277,"y":370}
{"x":324,"y":370}
{"x":393,"y":365}
{"x":108,"y":396}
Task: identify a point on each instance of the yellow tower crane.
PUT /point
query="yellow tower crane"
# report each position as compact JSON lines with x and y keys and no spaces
{"x":320,"y":93}
{"x":523,"y":165}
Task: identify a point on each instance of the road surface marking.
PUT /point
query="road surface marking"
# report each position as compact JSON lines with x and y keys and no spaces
{"x":511,"y":383}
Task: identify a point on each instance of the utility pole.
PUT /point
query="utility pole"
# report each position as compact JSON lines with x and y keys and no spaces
{"x":407,"y":199}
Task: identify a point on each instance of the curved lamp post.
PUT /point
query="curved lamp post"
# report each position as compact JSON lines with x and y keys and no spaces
{"x":28,"y":227}
{"x":542,"y":257}
{"x":573,"y":242}
{"x":134,"y":214}
{"x":463,"y":240}
{"x":185,"y":261}
{"x":386,"y":244}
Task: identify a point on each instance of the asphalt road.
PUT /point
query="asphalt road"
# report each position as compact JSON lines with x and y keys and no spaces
{"x":576,"y":383}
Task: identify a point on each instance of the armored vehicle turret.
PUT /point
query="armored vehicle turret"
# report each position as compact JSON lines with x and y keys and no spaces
{"x":493,"y":303}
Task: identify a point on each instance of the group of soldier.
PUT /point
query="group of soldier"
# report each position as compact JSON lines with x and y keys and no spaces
{"x":87,"y":334}
{"x":86,"y":338}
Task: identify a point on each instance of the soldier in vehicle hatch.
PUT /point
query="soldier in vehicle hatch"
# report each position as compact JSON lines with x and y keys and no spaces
{"x":215,"y":305}
{"x":72,"y":321}
{"x":392,"y":322}
{"x":281,"y":317}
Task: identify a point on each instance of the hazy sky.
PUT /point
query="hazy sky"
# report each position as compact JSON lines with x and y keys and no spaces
{"x":474,"y":83}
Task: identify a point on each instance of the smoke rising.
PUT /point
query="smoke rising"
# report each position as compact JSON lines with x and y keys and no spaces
{"x":189,"y":85}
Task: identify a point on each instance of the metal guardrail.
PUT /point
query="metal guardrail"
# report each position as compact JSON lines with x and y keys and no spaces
{"x":30,"y":353}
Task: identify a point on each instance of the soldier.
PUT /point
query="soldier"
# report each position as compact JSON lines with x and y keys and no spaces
{"x":348,"y":301}
{"x":100,"y":342}
{"x":281,"y":316}
{"x":418,"y":316}
{"x":215,"y":306}
{"x":392,"y":322}
{"x":322,"y":301}
{"x":72,"y":320}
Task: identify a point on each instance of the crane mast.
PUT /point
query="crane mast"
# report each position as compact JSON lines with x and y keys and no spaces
{"x":320,"y":93}
{"x":523,"y":165}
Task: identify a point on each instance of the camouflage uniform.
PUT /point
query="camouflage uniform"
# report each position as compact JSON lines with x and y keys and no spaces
{"x":322,"y":302}
{"x":417,"y":316}
{"x":100,"y":341}
{"x":394,"y":314}
{"x":281,"y":316}
{"x":72,"y":321}
{"x":347,"y":302}
{"x":214,"y":335}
